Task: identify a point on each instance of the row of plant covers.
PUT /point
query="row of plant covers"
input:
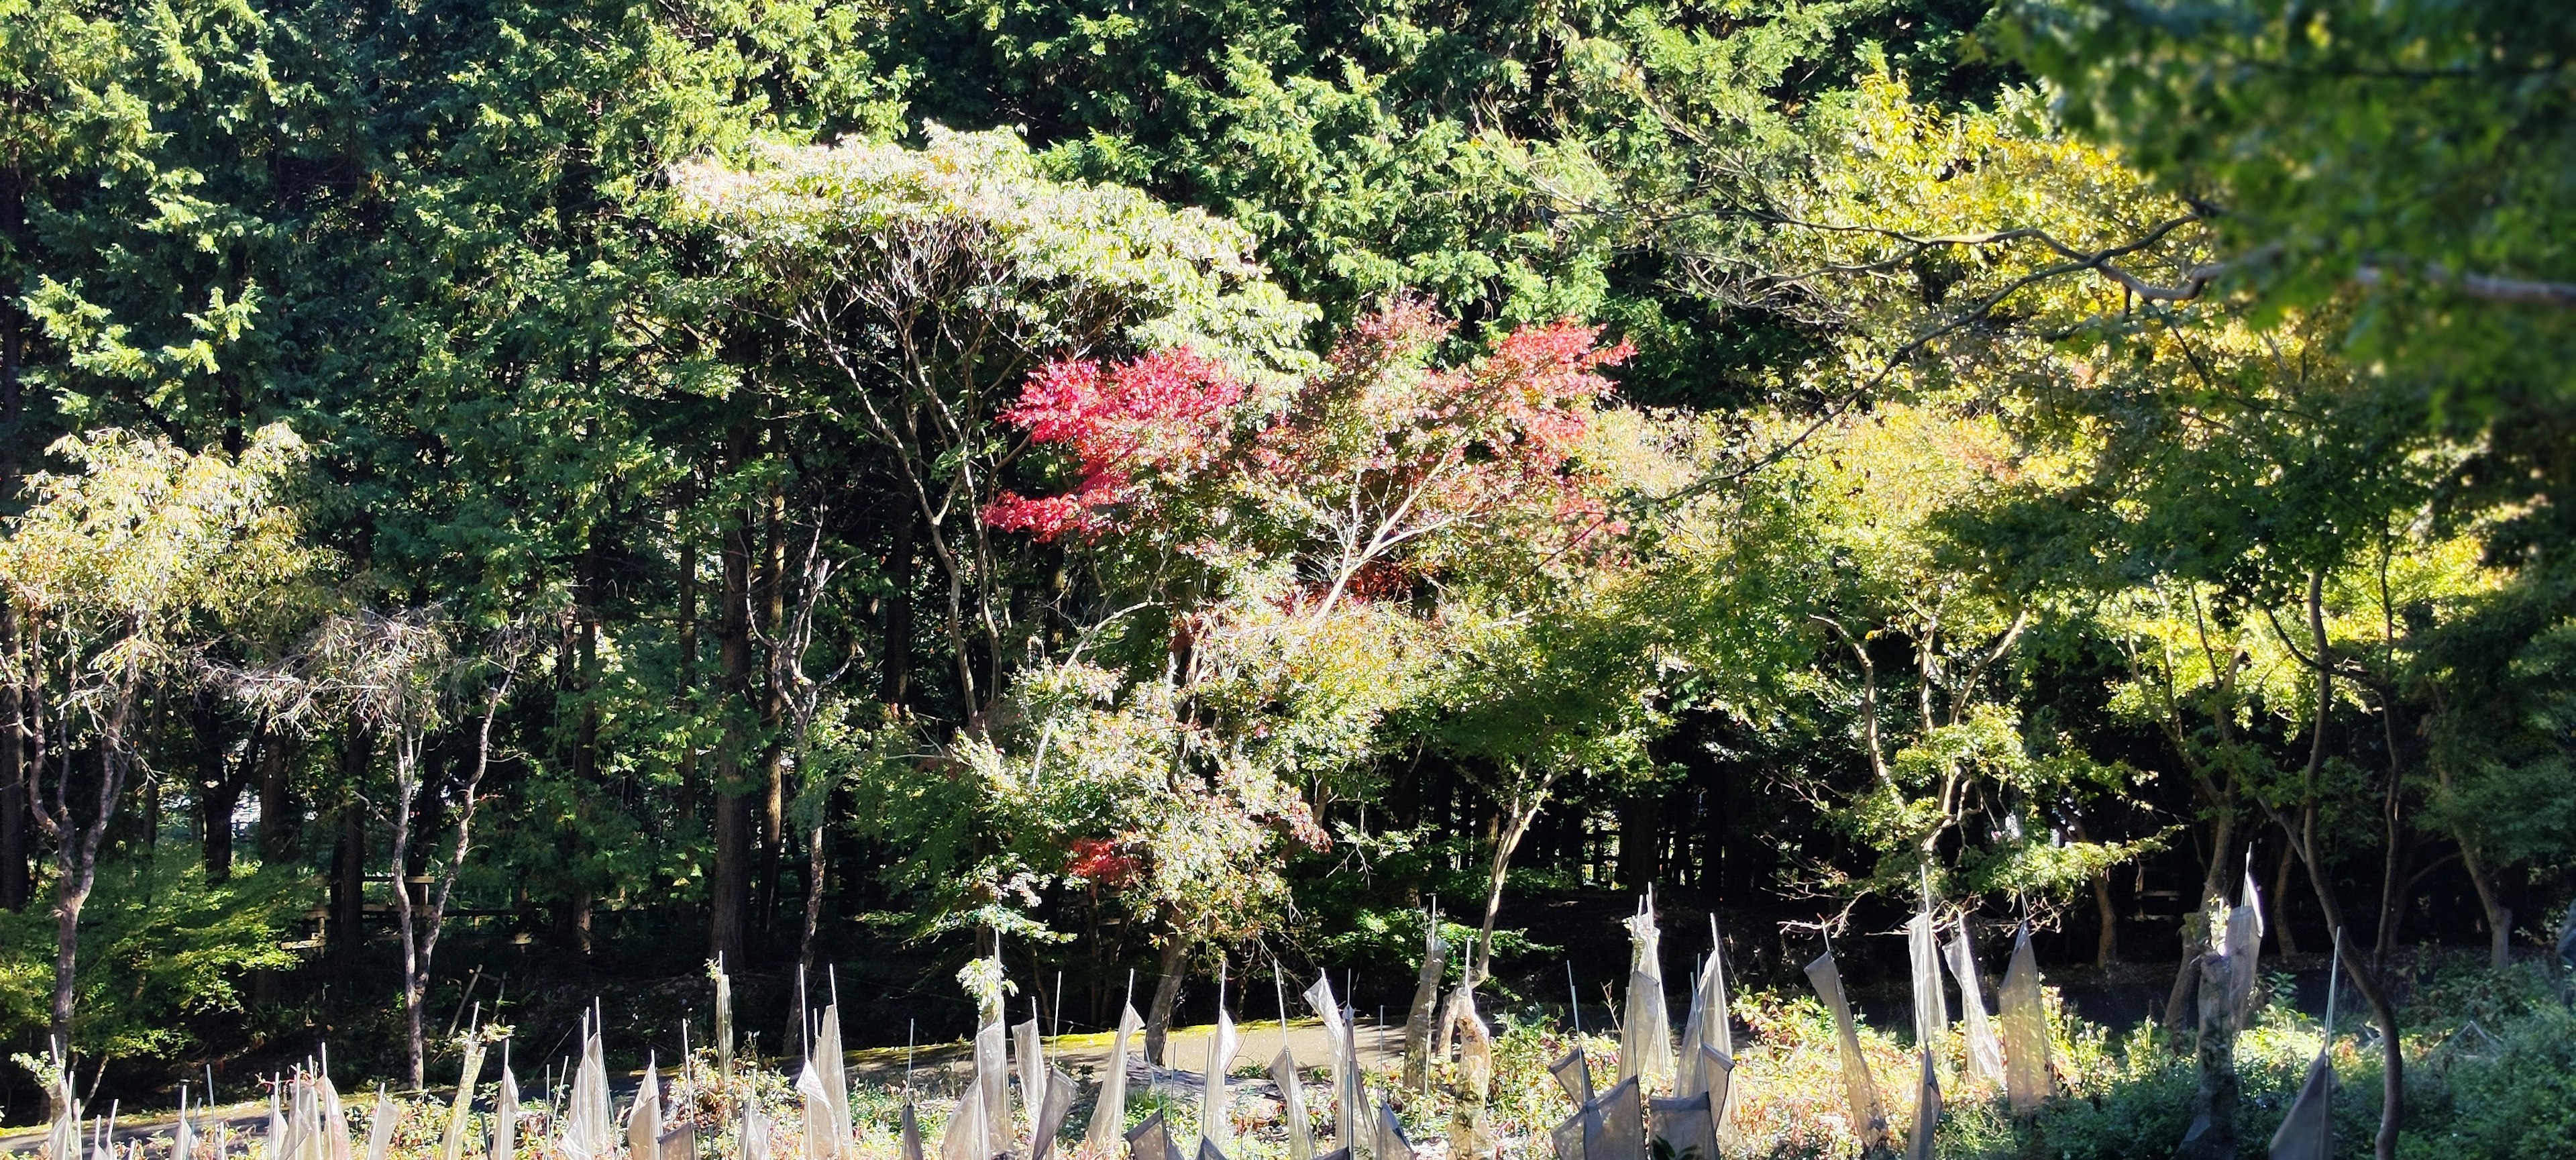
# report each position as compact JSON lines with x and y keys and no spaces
{"x":511,"y":500}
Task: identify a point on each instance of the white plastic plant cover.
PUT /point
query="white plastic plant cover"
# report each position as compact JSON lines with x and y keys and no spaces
{"x":1216,"y":1109}
{"x":1152,"y":1140}
{"x":1389,"y":1142}
{"x":1931,"y":1005}
{"x":2244,"y":946}
{"x":815,"y":1108}
{"x":1292,"y":1105}
{"x":753,"y":1143}
{"x":380,"y":1127}
{"x":1927,"y":1112}
{"x":589,"y":1127}
{"x":2025,"y":1021}
{"x":993,"y":1083}
{"x":1426,"y":1000}
{"x":1109,"y":1113}
{"x":1028,"y":1052}
{"x":276,"y":1123}
{"x":451,"y":1143}
{"x":1646,"y":1033}
{"x":1710,"y":1026}
{"x":1618,"y":1132}
{"x":1985,"y":1053}
{"x":1209,"y":1151}
{"x":965,"y":1138}
{"x":183,"y":1139}
{"x":1719,"y":1067}
{"x":1350,"y":1100}
{"x":644,"y":1117}
{"x":335,"y":1119}
{"x":505,"y":1118}
{"x":1029,"y":1058}
{"x":1683,"y":1126}
{"x":1051,"y":1114}
{"x":909,"y":1129}
{"x":63,"y":1138}
{"x":831,"y":1070}
{"x":1869,"y":1117}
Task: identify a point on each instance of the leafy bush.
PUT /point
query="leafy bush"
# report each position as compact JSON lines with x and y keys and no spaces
{"x":160,"y":946}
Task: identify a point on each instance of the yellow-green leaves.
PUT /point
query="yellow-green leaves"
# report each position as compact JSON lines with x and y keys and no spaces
{"x":146,"y":535}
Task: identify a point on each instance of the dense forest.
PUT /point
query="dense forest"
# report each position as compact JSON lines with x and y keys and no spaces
{"x":1147,"y":486}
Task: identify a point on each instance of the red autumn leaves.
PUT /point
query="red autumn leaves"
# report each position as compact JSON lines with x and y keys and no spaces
{"x":1375,"y":450}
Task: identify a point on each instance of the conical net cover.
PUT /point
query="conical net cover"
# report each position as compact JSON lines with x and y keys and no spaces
{"x":1985,"y":1052}
{"x":1684,"y":1127}
{"x":2307,"y":1130}
{"x":1619,"y":1132}
{"x":1927,"y":1112}
{"x":1646,"y":1033}
{"x":1051,"y":1114}
{"x":2025,"y":1022}
{"x":1869,"y":1117}
{"x":1350,"y":1100}
{"x":1109,"y":1114}
{"x":1292,"y":1105}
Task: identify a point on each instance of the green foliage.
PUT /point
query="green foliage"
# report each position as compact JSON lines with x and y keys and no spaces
{"x":162,"y":951}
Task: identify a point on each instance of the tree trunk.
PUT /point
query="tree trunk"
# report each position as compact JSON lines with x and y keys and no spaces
{"x":217,"y":798}
{"x":415,"y":966}
{"x":2499,"y":918}
{"x":2106,"y":945}
{"x":1640,"y":828}
{"x":2195,"y":935}
{"x":16,"y":778}
{"x":278,"y":824}
{"x":814,"y":871}
{"x":1167,"y":991}
{"x":349,"y":901}
{"x":773,"y":705}
{"x":76,"y":855}
{"x":2392,"y":1076}
{"x":895,"y":682}
{"x":732,"y":879}
{"x":2391,"y":870}
{"x":1518,"y":814}
{"x":2286,"y":944}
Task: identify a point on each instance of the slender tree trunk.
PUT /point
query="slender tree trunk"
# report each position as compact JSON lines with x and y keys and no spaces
{"x":2196,"y":934}
{"x":773,"y":704}
{"x":1167,"y":991}
{"x":278,"y":824}
{"x":349,"y":901}
{"x":17,"y":777}
{"x":732,"y":885}
{"x":76,"y":853}
{"x":1518,"y":814}
{"x":895,"y":684}
{"x":2391,"y":872}
{"x":415,"y":965}
{"x":815,"y":866}
{"x":2499,"y":918}
{"x":2286,"y":944}
{"x":1641,"y":819}
{"x":2392,"y":1086}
